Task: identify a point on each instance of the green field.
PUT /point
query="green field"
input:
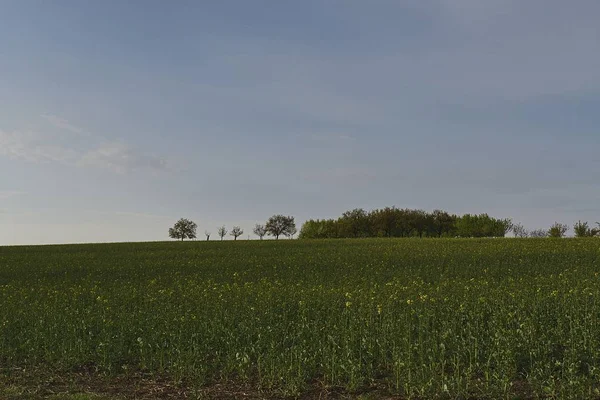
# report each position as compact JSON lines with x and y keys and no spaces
{"x":429,"y":318}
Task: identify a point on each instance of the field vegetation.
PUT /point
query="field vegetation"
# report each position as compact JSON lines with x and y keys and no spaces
{"x":412,"y":318}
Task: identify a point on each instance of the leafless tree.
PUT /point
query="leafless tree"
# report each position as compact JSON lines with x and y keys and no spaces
{"x":538,"y":233}
{"x":236,"y":231}
{"x":291,"y":232}
{"x":222,"y":231}
{"x":519,"y":231}
{"x":260,"y":231}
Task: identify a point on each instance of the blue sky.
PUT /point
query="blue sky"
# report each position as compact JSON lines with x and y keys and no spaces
{"x":119,"y":117}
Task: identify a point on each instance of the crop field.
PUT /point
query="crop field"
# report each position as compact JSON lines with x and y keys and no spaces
{"x":373,"y":318}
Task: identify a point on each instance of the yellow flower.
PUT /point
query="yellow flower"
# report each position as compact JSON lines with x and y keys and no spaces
{"x":348,"y":304}
{"x":409,"y":301}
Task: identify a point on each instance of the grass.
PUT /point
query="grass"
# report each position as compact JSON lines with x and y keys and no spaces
{"x":410,"y":318}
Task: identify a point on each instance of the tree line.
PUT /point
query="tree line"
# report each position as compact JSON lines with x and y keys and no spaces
{"x":558,"y":230}
{"x":275,"y":226}
{"x":402,"y":222}
{"x":391,"y":222}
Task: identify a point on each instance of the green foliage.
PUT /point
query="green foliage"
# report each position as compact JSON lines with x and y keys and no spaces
{"x":448,"y":318}
{"x":582,"y":229}
{"x":183,"y":229}
{"x":482,"y":225}
{"x":557,"y":230}
{"x":396,"y":222}
{"x":279,"y":225}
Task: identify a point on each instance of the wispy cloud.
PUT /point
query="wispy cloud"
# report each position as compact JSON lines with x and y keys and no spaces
{"x":31,"y":147}
{"x":64,"y":124}
{"x":9,"y":193}
{"x":115,"y":156}
{"x":120,"y":158}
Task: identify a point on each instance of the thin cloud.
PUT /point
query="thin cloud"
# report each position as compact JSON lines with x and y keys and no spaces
{"x":64,"y":124}
{"x":121,"y":158}
{"x":9,"y":193}
{"x":30,"y":147}
{"x":115,"y":156}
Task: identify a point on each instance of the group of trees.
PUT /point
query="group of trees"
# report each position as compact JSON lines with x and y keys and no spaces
{"x":582,"y":229}
{"x":397,"y":222}
{"x":275,"y":226}
{"x":390,"y":222}
{"x":558,"y":230}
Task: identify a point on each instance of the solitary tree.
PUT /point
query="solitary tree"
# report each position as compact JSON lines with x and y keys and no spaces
{"x":558,"y":230}
{"x":222,"y":231}
{"x":519,"y":231}
{"x":260,"y":231}
{"x":207,"y":234}
{"x":236,"y":231}
{"x":183,"y":229}
{"x":279,"y":225}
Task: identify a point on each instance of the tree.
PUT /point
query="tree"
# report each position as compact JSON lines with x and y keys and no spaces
{"x":519,"y":231}
{"x":502,"y":227}
{"x":582,"y":229}
{"x":236,"y":231}
{"x":420,"y":221}
{"x":355,"y":223}
{"x":384,"y":221}
{"x":183,"y":229}
{"x":207,"y":234}
{"x":222,"y":231}
{"x":558,"y":230}
{"x":291,"y":232}
{"x":538,"y":233}
{"x":319,"y":229}
{"x":443,"y":223}
{"x":279,"y":225}
{"x":260,"y":231}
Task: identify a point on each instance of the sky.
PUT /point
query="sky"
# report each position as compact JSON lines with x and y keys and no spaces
{"x":119,"y":117}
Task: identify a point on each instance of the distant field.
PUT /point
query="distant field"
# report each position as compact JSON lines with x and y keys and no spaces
{"x":446,"y":318}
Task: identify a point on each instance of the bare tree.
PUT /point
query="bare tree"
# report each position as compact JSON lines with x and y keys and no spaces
{"x":207,"y":234}
{"x":260,"y":231}
{"x":291,"y":232}
{"x":519,"y":231}
{"x":236,"y":231}
{"x":183,"y":229}
{"x":222,"y":231}
{"x":538,"y":233}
